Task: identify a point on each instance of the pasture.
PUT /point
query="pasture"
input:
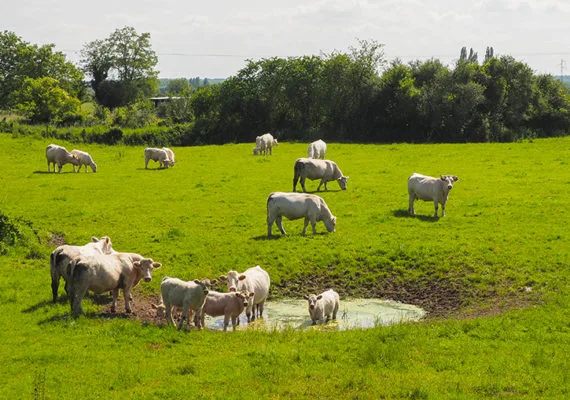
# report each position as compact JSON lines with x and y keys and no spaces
{"x":492,"y":274}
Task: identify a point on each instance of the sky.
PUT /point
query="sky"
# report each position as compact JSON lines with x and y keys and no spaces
{"x":215,"y":38}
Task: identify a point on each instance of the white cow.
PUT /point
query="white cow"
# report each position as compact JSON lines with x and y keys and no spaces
{"x":266,"y":143}
{"x":159,"y":155}
{"x":107,"y":272}
{"x":230,"y":305}
{"x":428,"y":188}
{"x":298,"y":205}
{"x":59,"y":155}
{"x":253,"y":280}
{"x":325,"y":170}
{"x":258,"y":144}
{"x":189,"y":296}
{"x":84,"y":159}
{"x":62,"y":256}
{"x":170,"y":155}
{"x":323,"y":306}
{"x":317,"y":149}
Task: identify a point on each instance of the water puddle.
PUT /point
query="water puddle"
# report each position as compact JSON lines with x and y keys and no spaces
{"x":352,"y":314}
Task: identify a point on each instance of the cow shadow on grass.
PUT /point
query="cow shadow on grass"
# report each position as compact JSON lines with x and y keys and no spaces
{"x":90,"y":315}
{"x":277,"y":236}
{"x":53,"y":173}
{"x":402,"y":213}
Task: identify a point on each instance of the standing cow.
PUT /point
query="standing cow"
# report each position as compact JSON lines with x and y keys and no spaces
{"x":62,"y":256}
{"x":107,"y":272}
{"x":325,"y":170}
{"x":59,"y":155}
{"x":188,"y":296}
{"x":317,"y":149}
{"x":230,"y":305}
{"x":428,"y":188}
{"x":158,"y":155}
{"x":265,"y":143}
{"x":295,"y":206}
{"x":253,"y":280}
{"x":323,"y":306}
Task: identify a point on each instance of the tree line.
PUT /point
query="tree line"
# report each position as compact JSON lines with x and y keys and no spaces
{"x":353,"y":96}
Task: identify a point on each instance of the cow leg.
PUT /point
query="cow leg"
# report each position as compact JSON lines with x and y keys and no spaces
{"x":279,"y":222}
{"x":435,"y":206}
{"x":168,"y":309}
{"x":269,"y":225}
{"x":183,"y":317}
{"x":303,"y":184}
{"x":295,"y":180}
{"x":335,"y":310}
{"x":128,"y":298}
{"x":235,"y":321}
{"x":260,"y":308}
{"x":320,"y":184}
{"x":443,"y":209}
{"x":115,"y":294}
{"x":58,"y":168}
{"x":411,"y":206}
{"x":305,"y":225}
{"x":227,"y":322}
{"x":314,"y":225}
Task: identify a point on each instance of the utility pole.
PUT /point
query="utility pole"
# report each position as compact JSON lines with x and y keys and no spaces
{"x":562,"y":62}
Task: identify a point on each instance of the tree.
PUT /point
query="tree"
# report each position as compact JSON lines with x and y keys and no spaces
{"x":177,"y":87}
{"x":20,"y":60}
{"x":123,"y":64}
{"x":43,"y":100}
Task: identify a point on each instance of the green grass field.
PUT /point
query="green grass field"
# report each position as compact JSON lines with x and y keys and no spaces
{"x":493,"y":273}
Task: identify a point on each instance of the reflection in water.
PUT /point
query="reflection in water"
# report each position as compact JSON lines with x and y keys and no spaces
{"x":352,"y":314}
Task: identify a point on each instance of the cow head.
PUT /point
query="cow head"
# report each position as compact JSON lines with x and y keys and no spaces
{"x":342,"y":182}
{"x":330,"y":224}
{"x":104,"y":245}
{"x":233,"y":279}
{"x":449,"y":180}
{"x":312,"y":299}
{"x":93,"y":166}
{"x":245,"y":296}
{"x":206,"y":284}
{"x":145,"y":267}
{"x":160,"y":309}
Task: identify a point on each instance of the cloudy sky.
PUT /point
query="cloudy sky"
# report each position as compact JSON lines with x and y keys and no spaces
{"x":214,"y":38}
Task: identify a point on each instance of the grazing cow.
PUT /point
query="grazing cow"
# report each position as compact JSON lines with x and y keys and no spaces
{"x":253,"y":280}
{"x":62,"y":256}
{"x":258,"y":145}
{"x":324,"y":305}
{"x":170,"y":155}
{"x":159,"y":155}
{"x":266,"y":143}
{"x":325,"y":170}
{"x":59,"y":155}
{"x":428,"y":188}
{"x":84,"y":159}
{"x":230,"y":305}
{"x":107,"y":272}
{"x":189,"y":296}
{"x":298,"y":205}
{"x":317,"y":149}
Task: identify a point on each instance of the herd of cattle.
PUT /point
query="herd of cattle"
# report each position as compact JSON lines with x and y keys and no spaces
{"x":97,"y":267}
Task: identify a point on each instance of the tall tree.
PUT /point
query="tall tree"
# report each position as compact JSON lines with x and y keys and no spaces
{"x":20,"y":60}
{"x":122,"y":64}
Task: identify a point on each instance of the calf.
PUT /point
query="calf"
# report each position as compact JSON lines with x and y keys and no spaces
{"x":59,"y":155}
{"x":107,"y":272}
{"x":230,"y":305}
{"x":324,"y":305}
{"x":253,"y":280}
{"x":64,"y":254}
{"x":295,"y":206}
{"x":325,"y":170}
{"x":189,"y":296}
{"x":428,"y":188}
{"x":84,"y":159}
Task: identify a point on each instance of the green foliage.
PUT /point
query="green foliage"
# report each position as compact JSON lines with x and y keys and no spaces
{"x":136,"y":115}
{"x":20,"y":60}
{"x":129,"y":58}
{"x":42,"y":100}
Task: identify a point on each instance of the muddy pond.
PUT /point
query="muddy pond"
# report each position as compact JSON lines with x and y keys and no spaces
{"x":352,"y":314}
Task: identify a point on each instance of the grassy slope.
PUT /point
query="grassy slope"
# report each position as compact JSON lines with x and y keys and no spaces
{"x":505,"y":229}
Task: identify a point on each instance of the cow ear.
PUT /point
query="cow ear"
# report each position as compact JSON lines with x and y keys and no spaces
{"x":455,"y":178}
{"x":320,"y":296}
{"x":94,"y":239}
{"x":251,"y":294}
{"x":442,"y":177}
{"x":213,"y":281}
{"x":137,"y":264}
{"x":197,"y":281}
{"x":241,"y":277}
{"x":156,"y":265}
{"x":223,"y":278}
{"x":306,"y":297}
